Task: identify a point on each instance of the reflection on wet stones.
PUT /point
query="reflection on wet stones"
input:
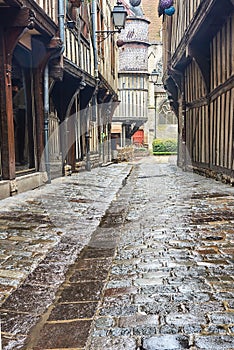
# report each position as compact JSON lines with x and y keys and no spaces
{"x":166,"y":342}
{"x":170,"y":285}
{"x":63,"y":335}
{"x":73,"y":311}
{"x":83,"y":291}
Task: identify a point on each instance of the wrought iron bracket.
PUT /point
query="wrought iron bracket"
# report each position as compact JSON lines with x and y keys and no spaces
{"x":104,"y":34}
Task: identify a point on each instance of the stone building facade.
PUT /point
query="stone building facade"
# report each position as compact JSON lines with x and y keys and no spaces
{"x":162,"y":122}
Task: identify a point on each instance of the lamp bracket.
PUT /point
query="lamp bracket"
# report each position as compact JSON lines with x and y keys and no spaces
{"x":104,"y":34}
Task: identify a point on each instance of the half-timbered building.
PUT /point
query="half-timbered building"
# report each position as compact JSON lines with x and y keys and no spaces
{"x":57,"y":89}
{"x":199,"y":65}
{"x":131,"y":113}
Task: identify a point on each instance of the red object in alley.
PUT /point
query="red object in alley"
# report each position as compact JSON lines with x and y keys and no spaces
{"x":138,"y":137}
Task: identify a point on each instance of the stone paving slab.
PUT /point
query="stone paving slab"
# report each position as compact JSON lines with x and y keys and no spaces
{"x":42,"y":233}
{"x":64,"y":335}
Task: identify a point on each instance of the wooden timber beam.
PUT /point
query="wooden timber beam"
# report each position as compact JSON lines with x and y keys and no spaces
{"x":40,"y":58}
{"x":135,"y":128}
{"x":12,"y":17}
{"x":42,"y":22}
{"x":6,"y":114}
{"x":201,"y":54}
{"x":177,"y":77}
{"x":76,"y":72}
{"x":20,"y":19}
{"x":221,"y":89}
{"x":13,"y":3}
{"x":208,"y":19}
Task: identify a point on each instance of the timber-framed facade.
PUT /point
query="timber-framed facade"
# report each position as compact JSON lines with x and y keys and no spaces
{"x":58,"y":88}
{"x":199,"y":77}
{"x":133,"y":76}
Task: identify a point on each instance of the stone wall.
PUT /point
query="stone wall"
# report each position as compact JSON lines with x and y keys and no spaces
{"x":133,"y":55}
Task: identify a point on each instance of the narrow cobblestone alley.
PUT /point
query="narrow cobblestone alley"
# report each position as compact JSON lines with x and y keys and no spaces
{"x":154,"y":273}
{"x":41,"y":235}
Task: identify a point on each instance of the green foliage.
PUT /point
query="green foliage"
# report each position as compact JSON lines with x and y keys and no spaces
{"x":165,"y":146}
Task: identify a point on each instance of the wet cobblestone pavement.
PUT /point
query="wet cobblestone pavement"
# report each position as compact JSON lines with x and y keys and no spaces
{"x":171,"y":281}
{"x":156,"y":274}
{"x":41,"y":235}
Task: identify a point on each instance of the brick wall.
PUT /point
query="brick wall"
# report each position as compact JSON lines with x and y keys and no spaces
{"x":150,"y":10}
{"x":136,"y":29}
{"x":133,"y":56}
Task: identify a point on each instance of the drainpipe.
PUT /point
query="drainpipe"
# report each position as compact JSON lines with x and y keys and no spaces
{"x":95,"y":54}
{"x":87,"y":144}
{"x":182,"y":151}
{"x":61,"y":15}
{"x":46,"y":121}
{"x":94,"y":39}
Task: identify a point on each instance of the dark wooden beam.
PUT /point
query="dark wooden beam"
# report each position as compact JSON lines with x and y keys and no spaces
{"x":30,"y":116}
{"x":42,"y":22}
{"x":173,"y":91}
{"x":40,"y":58}
{"x":8,"y":40}
{"x":14,"y":3}
{"x":198,"y":103}
{"x":39,"y":108}
{"x":15,"y":17}
{"x":30,"y":14}
{"x":201,"y":54}
{"x":76,"y":72}
{"x":222,"y":88}
{"x":208,"y":19}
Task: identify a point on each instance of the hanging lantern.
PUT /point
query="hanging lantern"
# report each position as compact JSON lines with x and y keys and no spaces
{"x":170,"y":11}
{"x":165,"y":4}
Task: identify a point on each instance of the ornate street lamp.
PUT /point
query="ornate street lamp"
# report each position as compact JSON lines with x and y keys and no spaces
{"x":118,"y":15}
{"x":154,"y":76}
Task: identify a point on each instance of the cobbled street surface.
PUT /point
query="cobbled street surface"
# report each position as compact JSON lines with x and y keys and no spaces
{"x":154,"y":273}
{"x":41,"y":235}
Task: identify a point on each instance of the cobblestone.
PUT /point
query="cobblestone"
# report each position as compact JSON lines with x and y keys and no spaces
{"x":156,"y":274}
{"x":211,"y":342}
{"x":49,"y":218}
{"x":43,"y":233}
{"x":176,"y":250}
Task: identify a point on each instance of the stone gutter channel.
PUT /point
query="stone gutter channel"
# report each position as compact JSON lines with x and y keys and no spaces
{"x":58,"y":243}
